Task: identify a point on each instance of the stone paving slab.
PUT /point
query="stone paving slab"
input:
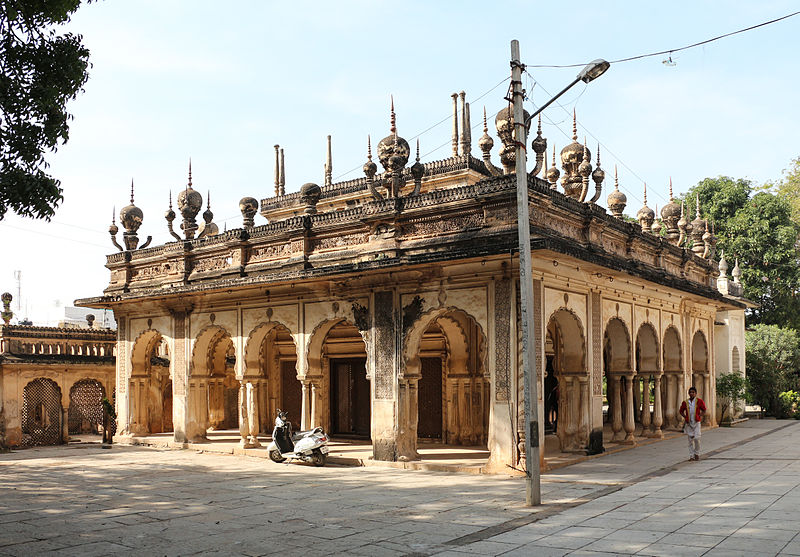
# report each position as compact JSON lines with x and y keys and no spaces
{"x":742,"y":498}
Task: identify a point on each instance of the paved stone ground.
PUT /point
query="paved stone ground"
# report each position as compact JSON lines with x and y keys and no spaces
{"x":741,"y":499}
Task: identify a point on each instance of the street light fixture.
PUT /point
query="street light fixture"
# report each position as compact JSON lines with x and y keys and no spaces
{"x":593,"y":70}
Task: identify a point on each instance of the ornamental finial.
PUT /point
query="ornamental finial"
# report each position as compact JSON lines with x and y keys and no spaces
{"x":393,"y":118}
{"x":574,"y":125}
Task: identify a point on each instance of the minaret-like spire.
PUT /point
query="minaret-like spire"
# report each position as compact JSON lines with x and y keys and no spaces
{"x":645,"y":215}
{"x":468,"y":128}
{"x":553,"y":173}
{"x":616,"y":199}
{"x":329,"y":165}
{"x":369,"y":148}
{"x":670,"y":188}
{"x":697,"y":214}
{"x":277,"y":170}
{"x":574,"y":125}
{"x":463,"y":96}
{"x":370,"y":168}
{"x":189,"y":185}
{"x":645,"y":194}
{"x":283,"y":175}
{"x":131,"y":191}
{"x":598,"y":176}
{"x":417,"y":171}
{"x":455,"y":124}
{"x":393,"y":117}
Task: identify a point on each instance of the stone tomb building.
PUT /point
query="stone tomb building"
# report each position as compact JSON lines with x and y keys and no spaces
{"x":386,"y":307}
{"x":52,"y":382}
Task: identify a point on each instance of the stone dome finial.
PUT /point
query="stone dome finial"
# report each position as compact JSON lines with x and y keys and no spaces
{"x":190,"y":202}
{"x":393,"y":153}
{"x":207,"y":227}
{"x":655,"y":228}
{"x":248,"y":206}
{"x":645,"y":215}
{"x":723,"y":264}
{"x":552,"y":174}
{"x":417,"y":171}
{"x":616,"y":200}
{"x":698,"y":230}
{"x":670,"y":213}
{"x":504,"y":123}
{"x":737,"y":272}
{"x":131,"y":217}
{"x":572,"y":156}
{"x":309,"y":197}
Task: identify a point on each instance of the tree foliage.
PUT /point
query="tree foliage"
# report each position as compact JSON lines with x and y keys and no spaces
{"x":760,"y":232}
{"x":731,"y":387}
{"x":788,"y":188}
{"x":773,"y":360}
{"x":40,"y":71}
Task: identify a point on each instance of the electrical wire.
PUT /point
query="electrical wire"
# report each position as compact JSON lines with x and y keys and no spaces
{"x":670,"y":51}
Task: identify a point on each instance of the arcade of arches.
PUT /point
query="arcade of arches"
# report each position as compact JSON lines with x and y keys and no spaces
{"x":422,"y":366}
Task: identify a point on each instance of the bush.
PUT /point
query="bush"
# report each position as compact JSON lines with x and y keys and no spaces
{"x":789,"y":405}
{"x":730,"y":388}
{"x":773,"y":358}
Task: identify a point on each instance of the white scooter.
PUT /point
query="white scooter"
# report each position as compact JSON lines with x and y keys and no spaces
{"x":308,"y":446}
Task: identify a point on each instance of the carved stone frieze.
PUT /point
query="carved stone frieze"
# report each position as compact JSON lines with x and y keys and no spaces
{"x":266,"y":253}
{"x":212,"y":263}
{"x":444,"y":225}
{"x":502,"y":327}
{"x":339,"y":241}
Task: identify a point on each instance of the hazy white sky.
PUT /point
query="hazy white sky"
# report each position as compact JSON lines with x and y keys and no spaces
{"x":224,"y":82}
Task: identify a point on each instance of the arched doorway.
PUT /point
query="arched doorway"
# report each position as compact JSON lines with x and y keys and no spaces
{"x":566,"y":342}
{"x":150,"y":385}
{"x":453,"y":390}
{"x":701,"y":378}
{"x":649,"y":373}
{"x":213,"y":387}
{"x":349,"y":400}
{"x":673,"y":375}
{"x":271,"y":363}
{"x":619,"y":380}
{"x":41,"y":413}
{"x":85,"y":414}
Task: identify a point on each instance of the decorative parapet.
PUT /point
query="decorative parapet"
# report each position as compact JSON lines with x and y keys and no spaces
{"x":476,"y":219}
{"x":24,"y":342}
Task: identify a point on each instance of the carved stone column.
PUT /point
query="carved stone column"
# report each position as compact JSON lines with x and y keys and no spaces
{"x":408,"y":420}
{"x":252,"y":414}
{"x":305,"y":408}
{"x":584,"y":411}
{"x":670,"y":406}
{"x":637,"y":398}
{"x":708,"y":419}
{"x":645,"y":417}
{"x":244,"y":425}
{"x":658,"y":419}
{"x":629,"y":423}
{"x":616,"y":419}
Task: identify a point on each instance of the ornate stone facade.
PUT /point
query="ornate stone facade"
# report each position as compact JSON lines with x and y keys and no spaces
{"x":386,"y":307}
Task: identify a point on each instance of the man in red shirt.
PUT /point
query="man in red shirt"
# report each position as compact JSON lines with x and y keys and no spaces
{"x":693,"y":411}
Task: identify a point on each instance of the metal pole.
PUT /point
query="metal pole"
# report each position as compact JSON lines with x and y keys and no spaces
{"x":533,"y":492}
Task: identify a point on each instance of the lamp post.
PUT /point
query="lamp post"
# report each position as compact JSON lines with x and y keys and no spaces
{"x":533,"y":492}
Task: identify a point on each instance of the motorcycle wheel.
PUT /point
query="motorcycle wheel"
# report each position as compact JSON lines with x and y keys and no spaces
{"x":318,"y":458}
{"x":275,"y":456}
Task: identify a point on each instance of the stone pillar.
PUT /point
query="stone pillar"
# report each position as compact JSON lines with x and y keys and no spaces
{"x":244,"y":425}
{"x":645,"y":416}
{"x":629,"y":424}
{"x":584,"y":411}
{"x":658,"y":420}
{"x":408,"y":406}
{"x":637,"y":398}
{"x":670,"y":408}
{"x":616,"y":419}
{"x":708,"y":419}
{"x":388,"y":443}
{"x":315,"y":417}
{"x":179,"y":367}
{"x":64,"y":424}
{"x":680,"y":390}
{"x":305,"y":405}
{"x":252,"y":414}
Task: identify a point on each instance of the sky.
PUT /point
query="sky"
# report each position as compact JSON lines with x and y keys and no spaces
{"x":223,"y":85}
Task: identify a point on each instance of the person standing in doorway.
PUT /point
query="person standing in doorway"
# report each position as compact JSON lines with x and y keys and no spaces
{"x":693,"y":411}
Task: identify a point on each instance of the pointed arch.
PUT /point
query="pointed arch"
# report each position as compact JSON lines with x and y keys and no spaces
{"x":647,"y":349}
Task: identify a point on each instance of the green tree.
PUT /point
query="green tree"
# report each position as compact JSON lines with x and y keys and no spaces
{"x":788,"y":188}
{"x":773,"y":359}
{"x":760,"y":232}
{"x":40,"y":71}
{"x":731,"y":387}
